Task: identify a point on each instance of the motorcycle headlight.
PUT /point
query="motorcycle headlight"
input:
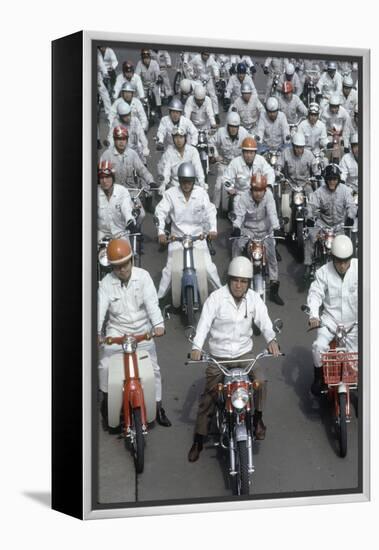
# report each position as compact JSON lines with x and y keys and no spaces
{"x":328,"y":243}
{"x":274,"y":160}
{"x":103,"y":258}
{"x":187,"y":243}
{"x":257,"y":254}
{"x":356,"y":199}
{"x":298,"y":198}
{"x":240,"y":397}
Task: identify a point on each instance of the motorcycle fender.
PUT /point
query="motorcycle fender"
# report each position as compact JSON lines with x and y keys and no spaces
{"x":286,"y":211}
{"x":240,"y":432}
{"x":342,"y":388}
{"x":177,"y":274}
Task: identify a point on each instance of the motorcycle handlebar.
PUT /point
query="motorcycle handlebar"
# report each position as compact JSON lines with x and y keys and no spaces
{"x":119,"y":340}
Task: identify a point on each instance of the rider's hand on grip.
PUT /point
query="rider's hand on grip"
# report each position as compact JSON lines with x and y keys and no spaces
{"x":162,"y":239}
{"x":236,"y":232}
{"x":195,"y":355}
{"x":313,"y":322}
{"x":159,"y":331}
{"x":273,"y":347}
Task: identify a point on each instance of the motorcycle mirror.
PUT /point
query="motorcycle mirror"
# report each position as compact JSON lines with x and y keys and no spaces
{"x":305,"y":308}
{"x":277,"y":325}
{"x":232,"y":216}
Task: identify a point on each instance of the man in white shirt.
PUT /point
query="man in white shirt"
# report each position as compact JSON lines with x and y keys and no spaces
{"x":198,"y":109}
{"x":227,"y":317}
{"x":335,"y":288}
{"x":128,"y":75}
{"x":128,"y":295}
{"x":174,"y":119}
{"x":191,"y":213}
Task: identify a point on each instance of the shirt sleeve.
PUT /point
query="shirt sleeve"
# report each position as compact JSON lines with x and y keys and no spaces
{"x":162,"y":211}
{"x":151,"y":301}
{"x":316,"y":294}
{"x":102,"y":304}
{"x":262,"y":319}
{"x":207,"y":317}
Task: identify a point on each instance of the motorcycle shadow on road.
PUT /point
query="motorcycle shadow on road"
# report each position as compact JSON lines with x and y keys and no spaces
{"x":297,"y":372}
{"x":187,"y":413}
{"x":295,"y":272}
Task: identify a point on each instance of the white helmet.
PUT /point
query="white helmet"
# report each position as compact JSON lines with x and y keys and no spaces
{"x":298,"y":139}
{"x":272,"y":104}
{"x":335,"y":100}
{"x":199,"y":92}
{"x":342,"y":247}
{"x":123,"y":108}
{"x":233,"y":119}
{"x":240,"y":267}
{"x":332,"y":66}
{"x":290,"y":69}
{"x":347,"y":82}
{"x":354,"y":139}
{"x":185,"y":86}
{"x":246,"y":88}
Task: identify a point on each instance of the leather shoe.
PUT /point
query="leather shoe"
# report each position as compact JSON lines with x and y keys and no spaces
{"x":195,"y":451}
{"x":259,"y":430}
{"x":162,"y":418}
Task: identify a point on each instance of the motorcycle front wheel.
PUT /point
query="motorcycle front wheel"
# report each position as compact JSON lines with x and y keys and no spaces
{"x":300,"y":239}
{"x":240,"y":483}
{"x":259,"y":285}
{"x":138,"y":444}
{"x":189,"y":304}
{"x":342,"y":428}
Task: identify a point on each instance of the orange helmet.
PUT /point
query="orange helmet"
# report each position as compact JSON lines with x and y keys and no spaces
{"x":287,"y":87}
{"x":119,"y":251}
{"x":258,"y":182}
{"x":105,"y":168}
{"x":120,"y":132}
{"x":249,"y":144}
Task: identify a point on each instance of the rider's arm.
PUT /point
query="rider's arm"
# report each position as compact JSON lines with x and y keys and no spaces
{"x":198,"y":168}
{"x":205,"y":322}
{"x":211,"y":213}
{"x":271,"y":211}
{"x":209,"y":111}
{"x":316,"y":294}
{"x":102,"y":304}
{"x":162,"y":130}
{"x":141,"y":169}
{"x":150,"y":299}
{"x":261,"y":317}
{"x":351,"y":207}
{"x":162,"y":211}
{"x":192,"y":131}
{"x":126,"y":206}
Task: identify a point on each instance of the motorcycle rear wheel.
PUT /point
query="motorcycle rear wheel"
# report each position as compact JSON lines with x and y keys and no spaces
{"x":138,"y":445}
{"x":342,"y":431}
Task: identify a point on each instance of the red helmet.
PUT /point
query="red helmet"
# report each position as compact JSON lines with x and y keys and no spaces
{"x":105,"y":168}
{"x":119,"y":251}
{"x":127,"y":66}
{"x":120,"y":132}
{"x":287,"y":87}
{"x":258,"y":182}
{"x":249,"y":144}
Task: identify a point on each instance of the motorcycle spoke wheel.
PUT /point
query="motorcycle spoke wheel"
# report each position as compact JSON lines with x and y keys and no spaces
{"x":243,"y":469}
{"x":189,"y":303}
{"x":300,"y":240}
{"x":342,"y":431}
{"x":138,"y":443}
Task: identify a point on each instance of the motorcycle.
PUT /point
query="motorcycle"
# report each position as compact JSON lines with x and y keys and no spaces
{"x":323,"y":245}
{"x":149,"y":102}
{"x":204,"y":150}
{"x":340,"y":375}
{"x":353,"y":231}
{"x":189,"y":284}
{"x":274,"y":92}
{"x":131,"y":393}
{"x":335,"y":148}
{"x":273,"y":156}
{"x":235,"y":405}
{"x":223,"y":81}
{"x":311,"y":93}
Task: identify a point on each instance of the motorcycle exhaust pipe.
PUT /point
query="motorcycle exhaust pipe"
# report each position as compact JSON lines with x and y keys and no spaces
{"x":232,"y":458}
{"x":250,"y":462}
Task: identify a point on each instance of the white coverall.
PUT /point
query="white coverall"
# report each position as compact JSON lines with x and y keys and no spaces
{"x":349,"y":170}
{"x":233,"y":88}
{"x":172,"y":159}
{"x":137,"y":139}
{"x":164,"y":132}
{"x":136,"y":108}
{"x":331,"y":120}
{"x":330,"y":86}
{"x":114,"y":214}
{"x":198,"y":67}
{"x":228,"y":149}
{"x":149,"y":77}
{"x":273,"y":134}
{"x":249,"y":112}
{"x":133,"y":309}
{"x":339,"y":298}
{"x":202,"y":117}
{"x":163,"y":58}
{"x":293,"y":108}
{"x":102,"y":90}
{"x":188,"y":217}
{"x":315,"y":134}
{"x":135,"y":80}
{"x":239,"y":173}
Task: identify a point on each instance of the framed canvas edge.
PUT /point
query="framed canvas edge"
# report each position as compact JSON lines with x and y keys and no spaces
{"x":118,"y":512}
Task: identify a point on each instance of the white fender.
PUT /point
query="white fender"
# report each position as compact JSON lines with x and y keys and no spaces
{"x":286,"y":211}
{"x":177,"y":271}
{"x":116,"y":381}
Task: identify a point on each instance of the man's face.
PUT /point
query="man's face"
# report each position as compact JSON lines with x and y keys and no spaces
{"x":258,"y":194}
{"x":102,"y":49}
{"x":146,"y":60}
{"x":241,"y":76}
{"x":298,"y":150}
{"x":106,"y":182}
{"x":332,"y":184}
{"x":233,"y":130}
{"x":246,"y":97}
{"x":120,"y":144}
{"x":334,"y":109}
{"x":124,"y":271}
{"x":205,"y":56}
{"x":355,"y":150}
{"x":288,"y":96}
{"x":199,"y":102}
{"x":341,"y":265}
{"x":186,"y":185}
{"x":331,"y":73}
{"x":248,"y":156}
{"x":128,"y":74}
{"x":289,"y":77}
{"x":346,"y":91}
{"x":125,"y":119}
{"x":175,"y":116}
{"x":179,"y":141}
{"x":272,"y":115}
{"x":127,"y":96}
{"x":313,"y":118}
{"x":238,"y":287}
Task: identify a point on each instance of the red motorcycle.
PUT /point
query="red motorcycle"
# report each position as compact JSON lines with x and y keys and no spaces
{"x":131,"y":392}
